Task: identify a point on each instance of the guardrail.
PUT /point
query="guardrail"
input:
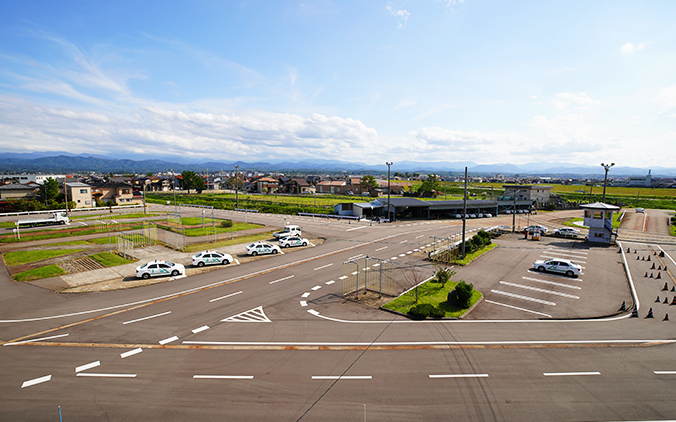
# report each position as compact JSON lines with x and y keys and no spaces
{"x":117,"y":207}
{"x":337,"y":217}
{"x":245,"y":210}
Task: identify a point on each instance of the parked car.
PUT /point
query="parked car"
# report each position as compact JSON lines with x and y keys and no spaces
{"x":159,"y":268}
{"x":289,"y":230}
{"x":566,"y":231}
{"x":562,"y":266}
{"x":260,"y":248}
{"x":292,"y":241}
{"x":640,"y":210}
{"x":211,"y":257}
{"x":533,"y":228}
{"x":488,"y":215}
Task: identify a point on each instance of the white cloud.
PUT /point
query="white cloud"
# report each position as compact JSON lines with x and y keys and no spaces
{"x":666,"y":97}
{"x":401,"y":15}
{"x":630,"y":47}
{"x":567,"y":101}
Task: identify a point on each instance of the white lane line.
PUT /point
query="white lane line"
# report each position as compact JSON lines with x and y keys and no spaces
{"x":355,"y":273}
{"x":552,"y":283}
{"x":131,"y":353}
{"x":355,"y":257}
{"x":200,"y":329}
{"x":35,"y":340}
{"x":88,"y":366}
{"x":303,"y":303}
{"x":281,"y":279}
{"x":566,"y":251}
{"x":306,"y":294}
{"x":313,"y":312}
{"x":226,"y":296}
{"x":517,"y":308}
{"x":568,"y":374}
{"x":323,"y":266}
{"x":342,"y":377}
{"x":342,"y":277}
{"x":664,"y":372}
{"x":535,"y":289}
{"x":409,"y":252}
{"x":328,"y":283}
{"x":380,"y":249}
{"x":356,"y":228}
{"x":402,"y":254}
{"x":394,"y":258}
{"x":36,"y":381}
{"x":91,"y":374}
{"x":460,"y":376}
{"x":168,"y":340}
{"x":237,"y":261}
{"x":148,"y":317}
{"x":552,"y":256}
{"x":223,"y":377}
{"x":316,"y":288}
{"x":403,"y":241}
{"x":531,"y":299}
{"x":416,"y":250}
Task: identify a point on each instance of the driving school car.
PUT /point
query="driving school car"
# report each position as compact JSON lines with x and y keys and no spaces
{"x":562,"y":266}
{"x":211,"y":257}
{"x":292,"y":241}
{"x":159,"y":268}
{"x":260,"y":248}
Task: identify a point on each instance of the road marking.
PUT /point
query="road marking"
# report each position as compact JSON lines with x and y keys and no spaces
{"x":409,"y":252}
{"x":342,"y":277}
{"x":226,"y":296}
{"x":355,"y":273}
{"x":380,"y":249}
{"x":200,"y":329}
{"x":303,"y":303}
{"x":34,"y":340}
{"x":224,"y":377}
{"x":516,"y":307}
{"x":323,"y":266}
{"x":91,"y":374}
{"x":355,"y":257}
{"x":342,"y":377}
{"x":316,"y":288}
{"x":88,"y":366}
{"x":460,"y":376}
{"x":568,"y":374}
{"x":356,"y":228}
{"x":168,"y":340}
{"x":328,"y":283}
{"x":552,"y":283}
{"x":535,"y":289}
{"x":552,"y":256}
{"x":130,"y":353}
{"x":306,"y":294}
{"x":148,"y":317}
{"x":394,"y":258}
{"x":313,"y":312}
{"x":566,"y":251}
{"x":531,"y":299}
{"x":402,"y":254}
{"x":664,"y":372}
{"x":403,"y":241}
{"x":36,"y":381}
{"x":252,"y":315}
{"x":281,"y":279}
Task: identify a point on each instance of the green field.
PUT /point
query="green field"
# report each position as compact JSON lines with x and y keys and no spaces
{"x":433,"y":293}
{"x":108,"y":259}
{"x":39,"y":273}
{"x":25,"y":257}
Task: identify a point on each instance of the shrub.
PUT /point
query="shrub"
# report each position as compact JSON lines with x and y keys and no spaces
{"x":437,"y":313}
{"x":463,"y":293}
{"x":421,"y":311}
{"x":443,"y":276}
{"x":226,"y":223}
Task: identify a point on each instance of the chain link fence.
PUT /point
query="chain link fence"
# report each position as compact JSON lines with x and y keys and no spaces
{"x":369,"y":274}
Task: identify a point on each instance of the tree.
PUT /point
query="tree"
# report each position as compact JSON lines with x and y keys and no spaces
{"x":369,"y":184}
{"x":49,"y":191}
{"x":413,"y":276}
{"x":192,"y":180}
{"x":430,"y":187}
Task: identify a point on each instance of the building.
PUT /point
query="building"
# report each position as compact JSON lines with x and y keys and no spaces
{"x":35,"y":178}
{"x":120,"y":193}
{"x":80,"y":193}
{"x":18,"y":191}
{"x":599,"y":218}
{"x":537,"y":194}
{"x":640,"y":181}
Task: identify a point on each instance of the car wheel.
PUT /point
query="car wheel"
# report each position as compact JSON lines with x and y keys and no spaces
{"x":174,"y":273}
{"x":200,"y":264}
{"x":304,"y":243}
{"x":274,"y":251}
{"x":225,"y":262}
{"x":145,"y":276}
{"x":254,"y":253}
{"x":287,"y":245}
{"x":569,"y":273}
{"x":541,"y":269}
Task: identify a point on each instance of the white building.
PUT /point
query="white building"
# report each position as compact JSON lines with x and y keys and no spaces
{"x":639,"y":181}
{"x":35,"y":178}
{"x":599,"y":218}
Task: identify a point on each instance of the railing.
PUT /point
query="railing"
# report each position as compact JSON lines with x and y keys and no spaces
{"x":116,"y":207}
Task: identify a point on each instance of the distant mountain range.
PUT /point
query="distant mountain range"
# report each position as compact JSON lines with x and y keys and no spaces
{"x":62,"y":162}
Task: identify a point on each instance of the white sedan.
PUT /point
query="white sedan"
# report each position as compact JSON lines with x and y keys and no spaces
{"x":211,"y":257}
{"x":260,"y":248}
{"x":562,"y":266}
{"x":158,"y":268}
{"x":292,"y":241}
{"x":566,"y":231}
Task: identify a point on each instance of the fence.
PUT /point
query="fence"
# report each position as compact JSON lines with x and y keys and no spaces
{"x":145,"y":236}
{"x":369,"y":274}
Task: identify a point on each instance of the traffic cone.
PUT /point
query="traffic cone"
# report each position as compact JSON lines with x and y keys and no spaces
{"x":648,"y":258}
{"x":665,"y":287}
{"x":659,"y":268}
{"x":628,"y":250}
{"x":662,"y":254}
{"x":654,"y":253}
{"x":646,"y":274}
{"x":673,"y":301}
{"x":657,"y":300}
{"x":659,"y":275}
{"x":651,"y":275}
{"x":650,"y":314}
{"x":624,"y":305}
{"x":666,"y":317}
{"x":653,"y":267}
{"x":637,"y":258}
{"x":634,"y":313}
{"x":672,"y":288}
{"x":635,"y":251}
{"x":666,"y":300}
{"x":643,"y":258}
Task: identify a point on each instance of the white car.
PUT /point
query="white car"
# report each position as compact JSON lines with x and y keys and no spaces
{"x":159,"y":268}
{"x":566,"y":231}
{"x":562,"y":266}
{"x":211,"y":257}
{"x":292,"y":241}
{"x":640,"y":210}
{"x":260,"y":248}
{"x":533,"y":228}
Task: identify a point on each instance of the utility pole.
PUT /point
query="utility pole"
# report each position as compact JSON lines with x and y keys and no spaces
{"x":606,"y":167}
{"x":236,"y":188}
{"x":388,"y":190}
{"x":464,"y":215}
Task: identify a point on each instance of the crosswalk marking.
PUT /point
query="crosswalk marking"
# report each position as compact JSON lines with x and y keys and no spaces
{"x":252,"y":315}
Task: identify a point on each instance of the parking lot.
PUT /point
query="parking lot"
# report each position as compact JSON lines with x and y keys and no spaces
{"x":513,"y":289}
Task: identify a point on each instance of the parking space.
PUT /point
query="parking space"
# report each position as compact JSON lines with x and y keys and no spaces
{"x":513,"y":289}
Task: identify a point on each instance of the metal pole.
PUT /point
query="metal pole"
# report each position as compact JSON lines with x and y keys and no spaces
{"x":236,"y":188}
{"x":464,"y":215}
{"x":388,"y":191}
{"x":605,"y":179}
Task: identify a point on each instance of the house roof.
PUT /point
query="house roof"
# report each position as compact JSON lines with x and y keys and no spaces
{"x":600,"y":206}
{"x":20,"y":186}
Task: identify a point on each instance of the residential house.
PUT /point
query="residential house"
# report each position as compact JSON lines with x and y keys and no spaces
{"x":120,"y":193}
{"x":11,"y":191}
{"x":264,"y":184}
{"x":295,"y":185}
{"x":80,"y":193}
{"x":338,"y":187}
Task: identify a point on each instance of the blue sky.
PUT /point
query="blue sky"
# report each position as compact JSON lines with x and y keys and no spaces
{"x":578,"y":82}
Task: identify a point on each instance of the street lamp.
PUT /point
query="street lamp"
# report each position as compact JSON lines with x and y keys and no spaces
{"x":236,"y":189}
{"x":388,"y":191}
{"x":606,"y":167}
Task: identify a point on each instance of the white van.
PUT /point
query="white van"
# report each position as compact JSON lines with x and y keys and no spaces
{"x":288,"y":231}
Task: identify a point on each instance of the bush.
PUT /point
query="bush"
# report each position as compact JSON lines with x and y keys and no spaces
{"x":463,"y":293}
{"x":226,"y":223}
{"x":437,"y":313}
{"x":421,"y":311}
{"x":443,"y":276}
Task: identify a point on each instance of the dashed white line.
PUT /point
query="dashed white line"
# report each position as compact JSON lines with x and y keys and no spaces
{"x":356,"y":228}
{"x":380,"y":249}
{"x":316,"y":288}
{"x":281,"y":279}
{"x":664,"y":372}
{"x":568,"y":374}
{"x":130,"y":353}
{"x":88,"y":366}
{"x":355,"y":257}
{"x":323,"y":266}
{"x":402,"y":254}
{"x":303,"y":303}
{"x":552,"y":283}
{"x":306,"y":294}
{"x":535,"y":289}
{"x":34,"y":340}
{"x":342,"y":277}
{"x":342,"y":377}
{"x":91,"y":374}
{"x":168,"y":340}
{"x":36,"y":381}
{"x":226,"y":296}
{"x":531,"y":299}
{"x":459,"y":376}
{"x":394,"y":258}
{"x":552,"y":256}
{"x":517,"y":308}
{"x":200,"y":329}
{"x":148,"y":317}
{"x":328,"y":283}
{"x":224,"y":377}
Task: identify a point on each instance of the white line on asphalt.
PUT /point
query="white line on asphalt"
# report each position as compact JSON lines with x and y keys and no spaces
{"x":316,"y":288}
{"x":402,"y":254}
{"x":168,"y":340}
{"x":328,"y":283}
{"x":342,"y":377}
{"x":535,"y":289}
{"x":313,"y":312}
{"x":517,"y":308}
{"x":552,"y":283}
{"x":376,"y":265}
{"x":355,"y":273}
{"x":306,"y":294}
{"x":88,"y":366}
{"x":303,"y":303}
{"x":200,"y":329}
{"x":553,"y":256}
{"x":224,"y":377}
{"x":664,"y":372}
{"x":568,"y":374}
{"x":531,"y":299}
{"x":403,"y":241}
{"x":460,"y":376}
{"x":281,"y":279}
{"x":568,"y":251}
{"x":34,"y":340}
{"x":130,"y":353}
{"x":342,"y":277}
{"x":148,"y":317}
{"x":323,"y":266}
{"x":356,"y":228}
{"x":36,"y":381}
{"x":226,"y":296}
{"x":394,"y":258}
{"x":409,"y":252}
{"x":380,"y":249}
{"x":237,"y":261}
{"x":91,"y":374}
{"x":355,"y":257}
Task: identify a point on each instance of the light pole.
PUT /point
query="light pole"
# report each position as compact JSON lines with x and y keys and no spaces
{"x":606,"y":167}
{"x":236,"y":188}
{"x":388,"y":191}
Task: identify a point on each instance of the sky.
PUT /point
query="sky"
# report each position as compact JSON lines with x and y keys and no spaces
{"x":580,"y":82}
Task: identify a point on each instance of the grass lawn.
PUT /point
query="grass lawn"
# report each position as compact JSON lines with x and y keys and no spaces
{"x":572,"y":221}
{"x":198,"y":247}
{"x":24,"y":257}
{"x":114,"y":216}
{"x":209,"y":230}
{"x":433,"y":293}
{"x":673,"y":230}
{"x":108,"y":259}
{"x":39,"y":273}
{"x":474,"y":255}
{"x":7,"y":224}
